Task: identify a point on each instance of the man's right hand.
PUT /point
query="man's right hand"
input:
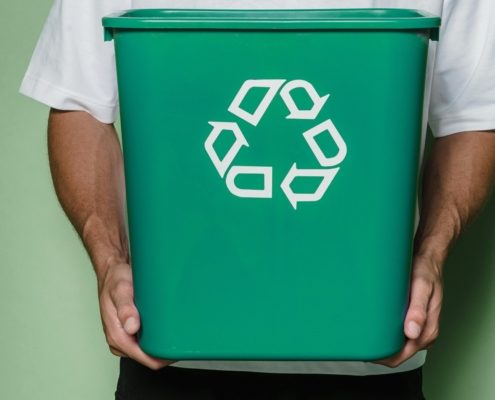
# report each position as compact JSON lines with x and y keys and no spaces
{"x":88,"y":174}
{"x":120,"y":316}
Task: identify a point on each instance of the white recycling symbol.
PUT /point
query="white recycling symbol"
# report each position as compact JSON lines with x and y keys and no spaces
{"x":329,"y":164}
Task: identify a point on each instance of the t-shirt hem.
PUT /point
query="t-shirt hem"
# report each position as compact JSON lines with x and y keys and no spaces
{"x":306,"y":367}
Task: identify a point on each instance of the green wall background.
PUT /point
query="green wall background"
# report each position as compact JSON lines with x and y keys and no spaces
{"x":51,"y":341}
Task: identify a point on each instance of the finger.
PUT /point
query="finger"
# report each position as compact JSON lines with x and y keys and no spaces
{"x":124,"y":343}
{"x":410,"y":348}
{"x":417,"y":313}
{"x":427,"y":337}
{"x":116,"y":352}
{"x":131,"y":347}
{"x":122,"y":295}
{"x":431,"y":329}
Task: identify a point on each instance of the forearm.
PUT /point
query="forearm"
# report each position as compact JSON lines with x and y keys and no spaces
{"x":87,"y":171}
{"x":88,"y":174}
{"x":458,"y":179}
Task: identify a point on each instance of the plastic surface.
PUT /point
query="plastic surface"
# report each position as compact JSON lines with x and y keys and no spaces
{"x":277,"y":222}
{"x":355,"y":18}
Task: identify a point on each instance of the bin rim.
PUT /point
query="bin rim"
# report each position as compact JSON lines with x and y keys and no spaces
{"x":271,"y":19}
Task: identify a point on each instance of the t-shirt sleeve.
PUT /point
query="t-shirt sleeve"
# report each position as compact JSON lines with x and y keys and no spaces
{"x":463,"y":87}
{"x":72,"y":68}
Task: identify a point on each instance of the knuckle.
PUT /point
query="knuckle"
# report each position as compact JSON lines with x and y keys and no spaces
{"x":418,"y":312}
{"x":436,"y":332}
{"x":438,"y":299}
{"x":116,"y":351}
{"x":432,"y":337}
{"x":113,"y":351}
{"x":429,"y":340}
{"x":125,"y":310}
{"x":122,"y":292}
{"x":422,"y":279}
{"x":111,"y":340}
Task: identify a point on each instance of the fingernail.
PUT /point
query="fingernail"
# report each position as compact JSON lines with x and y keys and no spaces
{"x":130,"y":325}
{"x":414,"y":330}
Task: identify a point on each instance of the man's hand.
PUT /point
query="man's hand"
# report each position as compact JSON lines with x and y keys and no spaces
{"x":88,"y":174}
{"x":120,"y":316}
{"x":421,"y":325}
{"x":458,"y":179}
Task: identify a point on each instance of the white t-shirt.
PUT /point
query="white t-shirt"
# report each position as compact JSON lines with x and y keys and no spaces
{"x":72,"y":68}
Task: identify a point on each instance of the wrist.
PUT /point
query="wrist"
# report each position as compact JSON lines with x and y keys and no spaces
{"x":433,"y":251}
{"x":434,"y":245}
{"x":436,"y":234}
{"x":106,"y":246}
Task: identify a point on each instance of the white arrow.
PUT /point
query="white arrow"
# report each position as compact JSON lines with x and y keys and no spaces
{"x":273,"y":86}
{"x":218,"y":127}
{"x":325,"y":161}
{"x":327,"y":176}
{"x":295,"y":112}
{"x":266,"y":192}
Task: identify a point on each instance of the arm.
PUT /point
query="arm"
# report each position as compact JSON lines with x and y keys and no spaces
{"x":458,"y":179}
{"x":87,"y":170}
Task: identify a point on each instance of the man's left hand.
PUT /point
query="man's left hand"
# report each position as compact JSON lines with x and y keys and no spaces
{"x":421,"y":326}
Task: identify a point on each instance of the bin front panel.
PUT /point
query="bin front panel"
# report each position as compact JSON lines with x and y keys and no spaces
{"x":218,"y":276}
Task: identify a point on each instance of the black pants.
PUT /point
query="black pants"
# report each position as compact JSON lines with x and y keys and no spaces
{"x":137,"y":382}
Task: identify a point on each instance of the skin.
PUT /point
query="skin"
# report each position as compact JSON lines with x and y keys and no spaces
{"x":87,"y":170}
{"x":458,"y":179}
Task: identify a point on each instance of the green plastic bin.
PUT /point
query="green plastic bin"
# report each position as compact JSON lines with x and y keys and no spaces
{"x":271,"y":162}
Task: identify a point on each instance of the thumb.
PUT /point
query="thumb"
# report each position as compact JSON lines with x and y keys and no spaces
{"x":131,"y":325}
{"x":127,"y":312}
{"x":421,"y":291}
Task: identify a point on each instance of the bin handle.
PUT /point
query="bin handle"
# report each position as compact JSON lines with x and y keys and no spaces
{"x":435,"y":34}
{"x":107,"y":34}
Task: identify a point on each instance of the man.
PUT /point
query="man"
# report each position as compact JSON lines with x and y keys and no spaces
{"x":72,"y":71}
